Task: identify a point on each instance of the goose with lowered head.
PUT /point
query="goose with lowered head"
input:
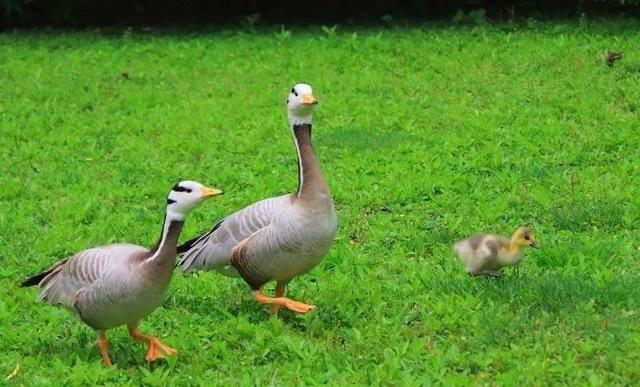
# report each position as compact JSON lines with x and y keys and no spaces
{"x":121,"y":283}
{"x":279,"y":238}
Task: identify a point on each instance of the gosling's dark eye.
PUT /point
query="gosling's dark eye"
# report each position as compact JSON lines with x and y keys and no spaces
{"x":526,"y":237}
{"x":293,"y":91}
{"x":170,"y":201}
{"x":189,"y":190}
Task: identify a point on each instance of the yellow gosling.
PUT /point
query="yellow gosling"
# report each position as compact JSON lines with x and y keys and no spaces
{"x":487,"y":254}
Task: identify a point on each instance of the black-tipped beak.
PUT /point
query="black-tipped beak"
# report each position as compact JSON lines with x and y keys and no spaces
{"x":208,"y":191}
{"x":309,"y":99}
{"x":534,"y":244}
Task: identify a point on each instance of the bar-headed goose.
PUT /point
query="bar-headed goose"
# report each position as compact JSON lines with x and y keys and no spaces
{"x":121,"y":283}
{"x":487,"y":254}
{"x":279,"y":238}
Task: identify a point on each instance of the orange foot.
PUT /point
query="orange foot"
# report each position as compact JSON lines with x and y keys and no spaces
{"x":284,"y":301}
{"x":157,"y":350}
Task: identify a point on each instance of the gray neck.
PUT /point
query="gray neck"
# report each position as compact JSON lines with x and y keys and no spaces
{"x":311,"y":181}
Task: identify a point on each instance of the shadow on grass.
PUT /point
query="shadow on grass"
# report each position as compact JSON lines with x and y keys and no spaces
{"x":82,"y":346}
{"x":73,"y":341}
{"x":227,"y":298}
{"x":548,"y":291}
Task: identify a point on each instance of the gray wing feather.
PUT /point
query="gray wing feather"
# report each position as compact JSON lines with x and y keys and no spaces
{"x":82,"y":270}
{"x":213,"y":249}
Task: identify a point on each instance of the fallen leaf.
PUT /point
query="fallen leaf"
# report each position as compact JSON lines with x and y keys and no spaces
{"x":14,"y":373}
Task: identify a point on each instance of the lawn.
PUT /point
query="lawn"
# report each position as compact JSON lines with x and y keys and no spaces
{"x":426,"y":133}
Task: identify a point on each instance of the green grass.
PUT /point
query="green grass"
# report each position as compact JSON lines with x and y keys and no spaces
{"x":427,"y":134}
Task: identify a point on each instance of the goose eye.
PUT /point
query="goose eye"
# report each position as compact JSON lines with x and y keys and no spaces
{"x":293,"y":91}
{"x":189,"y":190}
{"x":526,"y":237}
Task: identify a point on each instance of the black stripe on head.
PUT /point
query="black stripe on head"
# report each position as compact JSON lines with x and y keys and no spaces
{"x":179,"y":188}
{"x":170,"y":201}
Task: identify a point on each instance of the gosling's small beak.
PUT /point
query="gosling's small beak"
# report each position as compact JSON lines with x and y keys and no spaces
{"x":534,"y":244}
{"x":309,"y":99}
{"x":206,"y":192}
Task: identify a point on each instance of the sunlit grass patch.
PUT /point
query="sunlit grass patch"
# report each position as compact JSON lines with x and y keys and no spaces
{"x":426,"y":135}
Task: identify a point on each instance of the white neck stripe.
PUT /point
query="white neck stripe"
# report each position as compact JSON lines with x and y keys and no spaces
{"x":300,"y":168}
{"x":168,"y":219}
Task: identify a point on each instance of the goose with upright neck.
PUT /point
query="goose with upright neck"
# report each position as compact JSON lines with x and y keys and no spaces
{"x":121,"y":283}
{"x":279,"y":238}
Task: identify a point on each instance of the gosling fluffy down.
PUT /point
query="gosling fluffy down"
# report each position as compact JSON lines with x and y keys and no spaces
{"x":487,"y":254}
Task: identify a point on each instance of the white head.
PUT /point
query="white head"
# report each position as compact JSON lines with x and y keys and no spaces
{"x":300,"y":104}
{"x":185,"y":196}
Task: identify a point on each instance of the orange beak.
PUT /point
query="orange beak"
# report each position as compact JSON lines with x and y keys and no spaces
{"x":206,"y":192}
{"x":309,"y":99}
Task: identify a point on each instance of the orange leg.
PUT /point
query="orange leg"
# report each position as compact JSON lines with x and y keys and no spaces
{"x":280,"y":287}
{"x":282,"y":301}
{"x":156,"y":349}
{"x":103,"y":343}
